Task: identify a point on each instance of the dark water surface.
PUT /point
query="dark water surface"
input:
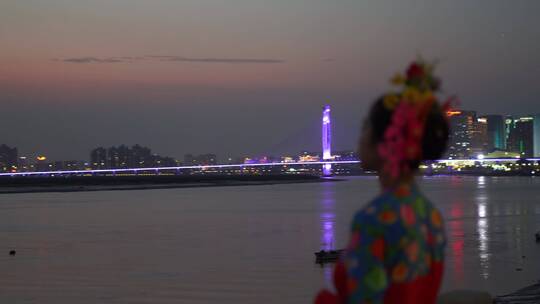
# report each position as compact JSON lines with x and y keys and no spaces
{"x":251,"y":244}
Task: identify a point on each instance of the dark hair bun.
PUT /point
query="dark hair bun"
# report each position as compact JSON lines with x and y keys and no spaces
{"x":379,"y":118}
{"x":436,"y":131}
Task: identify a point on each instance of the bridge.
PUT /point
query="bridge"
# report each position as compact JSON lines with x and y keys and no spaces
{"x":157,"y":170}
{"x":326,"y":163}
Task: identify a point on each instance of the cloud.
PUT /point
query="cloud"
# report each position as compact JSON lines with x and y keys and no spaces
{"x":95,"y":60}
{"x":219,"y":60}
{"x":131,"y":59}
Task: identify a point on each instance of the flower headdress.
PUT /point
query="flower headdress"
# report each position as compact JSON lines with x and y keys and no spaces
{"x":402,"y":143}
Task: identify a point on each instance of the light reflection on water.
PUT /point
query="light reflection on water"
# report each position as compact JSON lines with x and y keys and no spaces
{"x":327,"y":237}
{"x":455,"y":234}
{"x":483,"y":249}
{"x":327,"y":223}
{"x":490,"y":224}
{"x":482,"y":226}
{"x":481,"y":182}
{"x":327,"y":216}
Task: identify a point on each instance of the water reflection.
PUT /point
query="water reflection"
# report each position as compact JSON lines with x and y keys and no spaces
{"x":456,"y":237}
{"x":483,"y":248}
{"x":482,"y":207}
{"x":482,"y":227}
{"x":327,"y":217}
{"x":327,"y":223}
{"x":481,"y":182}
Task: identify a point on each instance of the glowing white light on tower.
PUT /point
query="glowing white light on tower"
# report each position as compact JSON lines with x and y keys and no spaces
{"x":326,"y":133}
{"x":326,"y":139}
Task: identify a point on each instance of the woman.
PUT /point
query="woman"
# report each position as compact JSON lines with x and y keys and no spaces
{"x":396,"y":248}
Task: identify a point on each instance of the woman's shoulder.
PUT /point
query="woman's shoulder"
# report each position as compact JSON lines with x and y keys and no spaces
{"x":381,"y":208}
{"x":388,"y":207}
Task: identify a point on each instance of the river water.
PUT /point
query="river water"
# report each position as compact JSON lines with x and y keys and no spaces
{"x":246,"y":244}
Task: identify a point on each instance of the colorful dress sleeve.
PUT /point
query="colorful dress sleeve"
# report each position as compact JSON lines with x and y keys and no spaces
{"x":364,"y":259}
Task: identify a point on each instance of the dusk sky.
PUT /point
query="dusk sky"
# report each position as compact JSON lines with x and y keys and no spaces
{"x":244,"y":77}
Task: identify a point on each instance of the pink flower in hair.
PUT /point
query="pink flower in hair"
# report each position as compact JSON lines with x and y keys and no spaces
{"x":401,"y":139}
{"x":402,"y":142}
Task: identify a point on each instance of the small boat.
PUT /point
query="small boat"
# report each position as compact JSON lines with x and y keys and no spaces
{"x":330,"y":256}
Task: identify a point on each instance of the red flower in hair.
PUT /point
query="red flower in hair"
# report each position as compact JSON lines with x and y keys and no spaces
{"x":415,"y":71}
{"x":402,"y":143}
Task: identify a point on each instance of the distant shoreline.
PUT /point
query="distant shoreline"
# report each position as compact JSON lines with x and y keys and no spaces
{"x":115,"y":183}
{"x":13,"y":185}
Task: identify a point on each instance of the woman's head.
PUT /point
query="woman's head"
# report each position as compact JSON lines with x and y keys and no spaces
{"x":398,"y":131}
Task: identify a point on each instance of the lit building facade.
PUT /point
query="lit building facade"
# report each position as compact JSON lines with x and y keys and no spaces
{"x":98,"y":158}
{"x":521,"y":137}
{"x":536,"y":135}
{"x":306,"y":156}
{"x":479,"y":144}
{"x":24,"y":165}
{"x":69,"y":165}
{"x":123,"y":156}
{"x":140,"y":157}
{"x":462,"y":132}
{"x":496,"y":137}
{"x":42,"y":164}
{"x":508,"y":125}
{"x":8,"y":158}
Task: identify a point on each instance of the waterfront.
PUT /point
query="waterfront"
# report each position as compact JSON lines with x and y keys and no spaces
{"x":244,"y":244}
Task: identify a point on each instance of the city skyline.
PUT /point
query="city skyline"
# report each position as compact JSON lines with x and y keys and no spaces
{"x":221,"y":157}
{"x":243,"y":77}
{"x":472,"y":136}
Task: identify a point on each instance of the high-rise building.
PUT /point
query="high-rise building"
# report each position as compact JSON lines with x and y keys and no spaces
{"x":508,"y":125}
{"x":73,"y":165}
{"x":479,"y":144}
{"x":536,"y":135}
{"x":42,"y":164}
{"x":462,"y":132}
{"x":140,"y":157}
{"x":496,"y":138}
{"x":118,"y":157}
{"x":520,"y":138}
{"x":98,"y":158}
{"x":24,"y":165}
{"x":123,"y":156}
{"x":8,"y":158}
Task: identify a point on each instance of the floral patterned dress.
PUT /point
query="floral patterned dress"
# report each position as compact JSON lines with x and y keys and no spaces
{"x":395,"y":254}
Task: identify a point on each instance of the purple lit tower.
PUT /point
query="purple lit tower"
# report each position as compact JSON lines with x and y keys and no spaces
{"x":326,"y":140}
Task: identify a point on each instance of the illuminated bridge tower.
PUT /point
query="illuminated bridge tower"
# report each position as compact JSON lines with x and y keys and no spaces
{"x":326,"y":140}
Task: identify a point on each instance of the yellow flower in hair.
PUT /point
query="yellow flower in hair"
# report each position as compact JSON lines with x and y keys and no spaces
{"x":398,"y":79}
{"x":390,"y":101}
{"x":412,"y":95}
{"x":427,"y":95}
